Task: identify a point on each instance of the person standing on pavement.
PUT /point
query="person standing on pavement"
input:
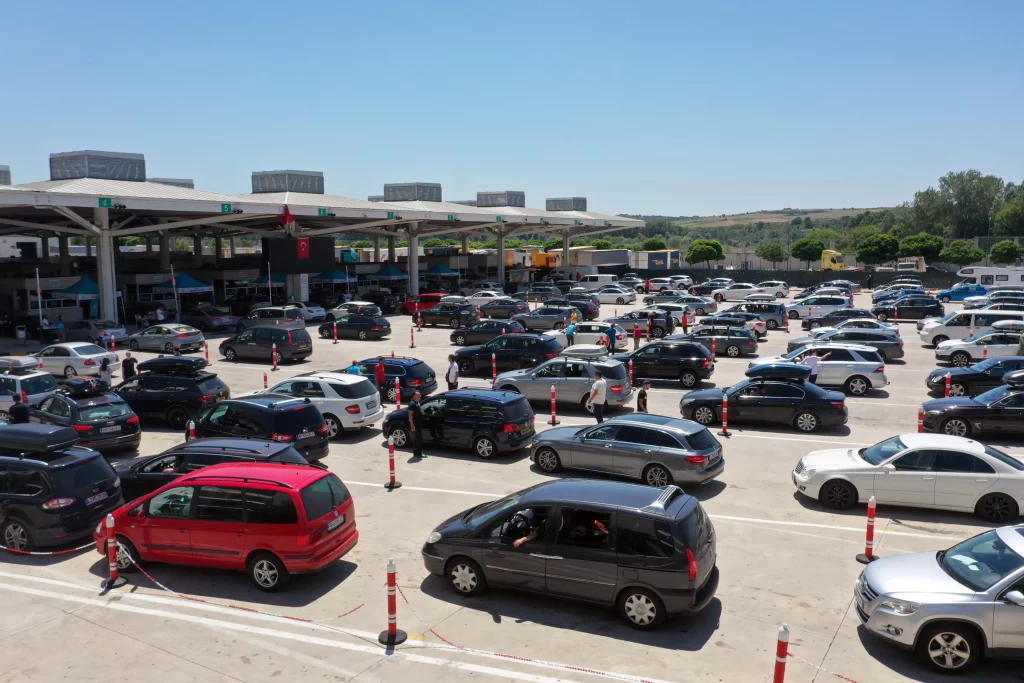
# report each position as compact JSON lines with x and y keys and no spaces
{"x":18,"y":411}
{"x":647,"y":285}
{"x":611,"y":333}
{"x":380,"y":379}
{"x":354,"y":369}
{"x":128,"y":366}
{"x":570,"y":333}
{"x":670,"y":323}
{"x":641,"y":396}
{"x":636,"y":337}
{"x":453,"y":373}
{"x":867,"y":285}
{"x":574,"y":317}
{"x":105,"y":374}
{"x":811,"y":360}
{"x":59,"y":326}
{"x":416,"y":425}
{"x":597,"y":396}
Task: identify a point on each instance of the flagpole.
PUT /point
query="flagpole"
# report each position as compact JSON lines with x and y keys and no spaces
{"x":174,"y":287}
{"x":39,"y":301}
{"x":270,"y":286}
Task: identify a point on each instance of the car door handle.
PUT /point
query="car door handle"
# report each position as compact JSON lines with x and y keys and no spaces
{"x":545,"y":557}
{"x":927,"y":478}
{"x":981,"y":481}
{"x":607,"y":445}
{"x":648,"y":450}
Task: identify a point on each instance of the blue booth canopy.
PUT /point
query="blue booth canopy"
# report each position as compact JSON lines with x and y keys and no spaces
{"x":183,"y":283}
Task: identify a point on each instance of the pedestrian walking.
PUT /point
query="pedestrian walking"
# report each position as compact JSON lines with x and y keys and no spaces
{"x":611,"y":333}
{"x":570,"y":334}
{"x":19,"y":411}
{"x":597,"y":396}
{"x":380,"y":379}
{"x":811,"y":360}
{"x":670,"y":323}
{"x":160,"y":314}
{"x":128,"y":366}
{"x":641,"y":396}
{"x":867,"y":284}
{"x":574,"y":317}
{"x":105,"y":374}
{"x":647,"y":286}
{"x":636,"y":337}
{"x":354,"y":369}
{"x":59,"y":326}
{"x":453,"y":373}
{"x":416,"y":424}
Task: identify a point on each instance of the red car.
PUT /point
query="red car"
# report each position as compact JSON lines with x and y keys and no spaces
{"x":269,"y":519}
{"x":421,"y":302}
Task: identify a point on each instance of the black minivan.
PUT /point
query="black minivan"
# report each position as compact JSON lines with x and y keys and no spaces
{"x":488,"y":422}
{"x":52,"y":492}
{"x":257,"y":343}
{"x":280,"y":418}
{"x":648,"y":552}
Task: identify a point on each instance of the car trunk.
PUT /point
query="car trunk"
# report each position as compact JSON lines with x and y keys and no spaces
{"x":94,"y":486}
{"x":331,"y":514}
{"x":106,"y":421}
{"x":304,"y":424}
{"x":519,"y":417}
{"x":699,"y":535}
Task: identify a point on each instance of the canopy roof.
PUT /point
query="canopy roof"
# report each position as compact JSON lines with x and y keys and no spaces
{"x":389,"y":272}
{"x":439,"y":269}
{"x":336,"y":277}
{"x":183,"y":283}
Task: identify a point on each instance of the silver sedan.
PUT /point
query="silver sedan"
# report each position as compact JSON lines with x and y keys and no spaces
{"x":76,"y":358}
{"x":96,"y":332}
{"x":168,"y":338}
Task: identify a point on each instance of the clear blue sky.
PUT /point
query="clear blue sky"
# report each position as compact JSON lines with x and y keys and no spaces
{"x":643,"y":107}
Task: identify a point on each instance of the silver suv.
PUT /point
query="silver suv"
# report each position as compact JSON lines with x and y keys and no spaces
{"x":951,"y":607}
{"x":288,"y":318}
{"x":572,"y":379}
{"x":855,"y":368}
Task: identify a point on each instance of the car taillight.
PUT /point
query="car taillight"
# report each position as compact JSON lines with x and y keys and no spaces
{"x":376,"y":327}
{"x":839,"y":405}
{"x":134,"y":420}
{"x":58,"y":503}
{"x":289,"y":339}
{"x":90,"y":362}
{"x":82,"y":428}
{"x":352,"y":410}
{"x":282,"y":438}
{"x":207,"y":399}
{"x":414,"y":382}
{"x":879,"y":370}
{"x":900,"y":344}
{"x":324,"y":430}
{"x":696,"y":459}
{"x":691,"y":561}
{"x":615,"y":388}
{"x":511,"y":428}
{"x":552,"y":355}
{"x":183,"y":335}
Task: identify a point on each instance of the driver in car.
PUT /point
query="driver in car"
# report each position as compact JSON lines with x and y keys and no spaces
{"x":526,"y":526}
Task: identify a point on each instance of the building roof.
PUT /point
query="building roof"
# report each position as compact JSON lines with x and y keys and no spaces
{"x":124,"y":188}
{"x":325,"y":201}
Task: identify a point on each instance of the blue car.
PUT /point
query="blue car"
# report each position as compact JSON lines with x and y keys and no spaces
{"x":961,"y":292}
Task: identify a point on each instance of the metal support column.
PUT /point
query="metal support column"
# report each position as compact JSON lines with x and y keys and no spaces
{"x":65,"y":255}
{"x":165,"y":250}
{"x":500,"y":234}
{"x":218,"y":247}
{"x":105,"y":265}
{"x":565,"y":254}
{"x":149,"y":244}
{"x":376,"y":249}
{"x":391,"y":249}
{"x":231,"y":246}
{"x":413,"y":267}
{"x":197,"y":250}
{"x":465,"y":245}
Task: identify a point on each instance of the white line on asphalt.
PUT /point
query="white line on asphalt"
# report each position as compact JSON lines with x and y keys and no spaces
{"x":859,"y":530}
{"x":429,"y":490}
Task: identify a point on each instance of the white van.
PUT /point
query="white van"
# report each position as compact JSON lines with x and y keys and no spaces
{"x":963,"y":324}
{"x":597,"y":281}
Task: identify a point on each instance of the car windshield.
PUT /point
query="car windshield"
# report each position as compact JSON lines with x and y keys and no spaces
{"x":881,"y":452}
{"x":104,"y":412}
{"x":993,"y":395}
{"x":38,"y":385}
{"x":980,"y":562}
{"x":488,"y":511}
{"x":986,"y":364}
{"x":88,"y":350}
{"x":1004,"y":458}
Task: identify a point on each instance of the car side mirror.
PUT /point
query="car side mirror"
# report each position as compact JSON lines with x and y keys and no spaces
{"x":141,"y":512}
{"x":888,"y":468}
{"x":1015,"y":597}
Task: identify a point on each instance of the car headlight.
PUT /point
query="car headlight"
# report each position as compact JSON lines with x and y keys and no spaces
{"x":899,"y":606}
{"x":808,"y":473}
{"x":434,"y":537}
{"x":934,"y":412}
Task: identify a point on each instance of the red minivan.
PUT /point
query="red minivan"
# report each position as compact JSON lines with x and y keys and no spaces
{"x":269,"y":519}
{"x":420,"y":302}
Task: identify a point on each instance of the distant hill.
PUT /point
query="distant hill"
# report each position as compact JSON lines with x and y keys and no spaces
{"x":778,"y":216}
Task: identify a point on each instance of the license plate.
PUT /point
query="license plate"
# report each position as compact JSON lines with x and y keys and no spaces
{"x":97,"y":498}
{"x":110,"y":430}
{"x":306,"y":435}
{"x":371,"y":405}
{"x":528,"y":429}
{"x":335,"y":523}
{"x":301,"y":346}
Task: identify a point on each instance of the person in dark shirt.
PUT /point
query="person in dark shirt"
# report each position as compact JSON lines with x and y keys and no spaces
{"x":128,"y":366}
{"x":670,"y":323}
{"x":18,"y":411}
{"x":416,"y":425}
{"x":641,"y":397}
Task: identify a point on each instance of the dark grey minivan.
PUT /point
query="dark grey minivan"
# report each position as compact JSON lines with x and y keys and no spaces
{"x":648,"y":552}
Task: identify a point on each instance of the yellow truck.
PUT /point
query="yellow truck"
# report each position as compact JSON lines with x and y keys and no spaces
{"x":831,"y":260}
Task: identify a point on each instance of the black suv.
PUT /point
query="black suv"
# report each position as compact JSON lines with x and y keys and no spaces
{"x":832,"y":317}
{"x":587,"y":308}
{"x":511,"y":352}
{"x":388,"y":303}
{"x":103,"y":420}
{"x":412,"y":375}
{"x":357,"y":327}
{"x":52,"y":492}
{"x":730,"y":341}
{"x":276,"y":417}
{"x":505,"y":307}
{"x":257,"y":343}
{"x":145,"y":475}
{"x":452,"y":315}
{"x":173,"y":389}
{"x":688,"y":362}
{"x":488,"y":422}
{"x":648,"y":552}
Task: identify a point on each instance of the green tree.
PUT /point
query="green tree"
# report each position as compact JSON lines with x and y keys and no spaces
{"x":653,"y":244}
{"x":1010,"y":220}
{"x":601,"y":244}
{"x":858,"y":235}
{"x":361,"y":244}
{"x":825,"y":235}
{"x":512,"y":243}
{"x":432,"y":242}
{"x":921,"y":244}
{"x":970,"y":197}
{"x":1005,"y":252}
{"x":772,"y":252}
{"x":808,"y":249}
{"x":879,"y":248}
{"x":554,"y":243}
{"x":706,"y":251}
{"x":961,"y":253}
{"x":796,"y":221}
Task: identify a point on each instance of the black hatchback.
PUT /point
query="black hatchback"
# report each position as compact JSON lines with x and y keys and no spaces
{"x":103,"y":420}
{"x":649,"y":553}
{"x":145,"y":475}
{"x":510,"y":352}
{"x":484,"y":331}
{"x":356,"y":327}
{"x":452,"y":315}
{"x":273,"y":417}
{"x":173,"y":389}
{"x":52,"y":492}
{"x":412,"y":374}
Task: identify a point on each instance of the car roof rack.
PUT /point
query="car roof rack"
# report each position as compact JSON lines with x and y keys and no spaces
{"x":246,"y":480}
{"x":667,"y":495}
{"x":83,"y":387}
{"x":18,"y":365}
{"x":36,"y":438}
{"x":173,"y":365}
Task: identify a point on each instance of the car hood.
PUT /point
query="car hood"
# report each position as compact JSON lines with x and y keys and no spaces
{"x":822,"y":330}
{"x":704,"y":395}
{"x":558,"y":434}
{"x":916,"y":574}
{"x":975,"y":299}
{"x":836,"y":460}
{"x":940,"y":373}
{"x":951,"y":404}
{"x":800,"y":341}
{"x":467,"y":350}
{"x":953,"y":344}
{"x":515,"y":375}
{"x":767,"y":360}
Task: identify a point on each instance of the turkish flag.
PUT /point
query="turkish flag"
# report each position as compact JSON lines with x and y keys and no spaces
{"x":303,"y":247}
{"x":287,"y":217}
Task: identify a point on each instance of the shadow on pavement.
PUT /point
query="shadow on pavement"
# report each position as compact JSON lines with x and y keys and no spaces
{"x":906,"y":664}
{"x":903,"y":518}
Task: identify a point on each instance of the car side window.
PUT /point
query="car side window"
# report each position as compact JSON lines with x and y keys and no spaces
{"x":59,"y":408}
{"x":1015,"y":400}
{"x":269,"y":507}
{"x":174,"y":503}
{"x":216,"y":417}
{"x":642,"y":536}
{"x":576,"y":370}
{"x":783,"y":390}
{"x":219,"y":504}
{"x":457,"y":408}
{"x":603,"y":433}
{"x":915,"y":461}
{"x":307,"y":389}
{"x":582,"y":528}
{"x":552,"y":370}
{"x":196,"y":461}
{"x":631,"y":434}
{"x":27,"y":482}
{"x":955,"y":461}
{"x":661,"y":439}
{"x":239,"y":418}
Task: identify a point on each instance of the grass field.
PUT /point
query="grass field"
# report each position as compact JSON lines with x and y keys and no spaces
{"x":768,"y":217}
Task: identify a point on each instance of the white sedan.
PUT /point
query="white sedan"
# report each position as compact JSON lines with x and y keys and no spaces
{"x":855,"y":323}
{"x":977,"y":347}
{"x":737,"y":292}
{"x":613,"y":294}
{"x":76,"y":358}
{"x":347,"y":402}
{"x":682,"y":281}
{"x":917,"y":470}
{"x":310,"y":312}
{"x":776,"y":287}
{"x":485,"y":297}
{"x":593,"y":333}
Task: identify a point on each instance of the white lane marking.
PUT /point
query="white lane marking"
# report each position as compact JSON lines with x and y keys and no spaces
{"x":817,"y":536}
{"x":762,"y":437}
{"x":325,"y":642}
{"x":430,"y":490}
{"x":859,"y":530}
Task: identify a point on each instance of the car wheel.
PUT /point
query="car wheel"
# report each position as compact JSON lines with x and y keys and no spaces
{"x":177,"y":417}
{"x":837,"y":494}
{"x":391,"y":393}
{"x":772,"y":325}
{"x":326,"y":333}
{"x":559,"y":325}
{"x":699,"y":311}
{"x":857,"y":386}
{"x":881,"y":354}
{"x":460,"y":340}
{"x":133,"y":344}
{"x":945,"y":299}
{"x":794,"y":315}
{"x":806,"y":422}
{"x":658,"y":332}
{"x":69,"y":372}
{"x":128,"y":557}
{"x":399,"y":436}
{"x":882,"y":317}
{"x":961,"y":359}
{"x":465,"y":577}
{"x":956,"y":426}
{"x":997,"y":507}
{"x":548,"y":460}
{"x":168,"y":347}
{"x":704,"y":415}
{"x":620,"y":301}
{"x":657,"y":476}
{"x":938,"y":340}
{"x":485,"y":447}
{"x":688,"y":378}
{"x":333,"y":426}
{"x":949,"y":648}
{"x":815,"y":325}
{"x":732,"y":351}
{"x":267,"y":572}
{"x":453,"y":323}
{"x":957,"y":389}
{"x":641,"y":608}
{"x":229,"y":353}
{"x":466,"y":366}
{"x":90,"y":339}
{"x":17,"y":536}
{"x":362,"y":335}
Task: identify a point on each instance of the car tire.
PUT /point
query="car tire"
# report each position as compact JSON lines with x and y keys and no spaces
{"x":485,"y":447}
{"x":945,"y":299}
{"x":453,"y":323}
{"x":177,"y":417}
{"x":326,"y":334}
{"x":957,"y":426}
{"x":465,"y":577}
{"x":168,"y":347}
{"x":815,"y":325}
{"x":882,"y":317}
{"x":126,"y":553}
{"x":466,"y":366}
{"x":334,"y":428}
{"x":559,"y":325}
{"x":641,"y":608}
{"x":939,"y":339}
{"x":133,"y":344}
{"x":547,"y":460}
{"x":699,"y":311}
{"x":657,"y":476}
{"x":17,"y":536}
{"x":949,"y":648}
{"x":620,"y":301}
{"x":960,"y":359}
{"x":267,"y":571}
{"x":90,"y":339}
{"x":732,"y":351}
{"x":229,"y":354}
{"x":704,"y":415}
{"x":838,"y":494}
{"x":69,"y":372}
{"x":881,"y":354}
{"x":807,"y":422}
{"x":958,"y":389}
{"x":362,"y":335}
{"x":399,"y":436}
{"x":794,"y":315}
{"x":997,"y":508}
{"x":772,"y":325}
{"x":857,"y":386}
{"x":657,"y":332}
{"x":688,"y":378}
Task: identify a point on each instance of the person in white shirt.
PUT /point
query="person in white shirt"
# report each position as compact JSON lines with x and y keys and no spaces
{"x":811,"y":360}
{"x":597,"y":396}
{"x":160,"y":314}
{"x":453,"y":373}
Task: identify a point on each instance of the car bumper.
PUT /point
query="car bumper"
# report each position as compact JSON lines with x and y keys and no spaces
{"x":509,"y":443}
{"x":690,"y":601}
{"x":897,"y":629}
{"x":891,"y":354}
{"x":433,"y":562}
{"x":298,"y":565}
{"x":943,"y":355}
{"x":364,"y":420}
{"x":190,"y":346}
{"x":113,"y":442}
{"x":700,"y":476}
{"x":316,"y":451}
{"x":834,"y":419}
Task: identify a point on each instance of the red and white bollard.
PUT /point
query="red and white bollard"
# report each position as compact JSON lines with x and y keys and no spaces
{"x":554,"y":420}
{"x":503,"y":330}
{"x":273,"y":353}
{"x":265,"y":385}
{"x":895,"y":313}
{"x":494,"y":368}
{"x":113,"y":346}
{"x":949,"y":383}
{"x":984,"y":353}
{"x":398,"y":394}
{"x":630,"y":372}
{"x":392,"y":483}
{"x":392,"y":353}
{"x":115,"y":580}
{"x":810,"y":311}
{"x":869,"y":536}
{"x":920,"y":420}
{"x":392,"y":636}
{"x":335,"y":326}
{"x":412,"y":337}
{"x":616,"y":313}
{"x":714,"y":351}
{"x":781,"y":652}
{"x":191,"y":430}
{"x":206,"y":351}
{"x":725,"y":416}
{"x":785,"y":318}
{"x":419,"y":322}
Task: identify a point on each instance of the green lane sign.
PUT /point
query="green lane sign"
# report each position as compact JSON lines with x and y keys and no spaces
{"x":106,"y":202}
{"x":575,"y":222}
{"x":321,"y":212}
{"x":451,"y":217}
{"x":607,"y":223}
{"x":225,"y":208}
{"x":497,"y":219}
{"x":391,"y":214}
